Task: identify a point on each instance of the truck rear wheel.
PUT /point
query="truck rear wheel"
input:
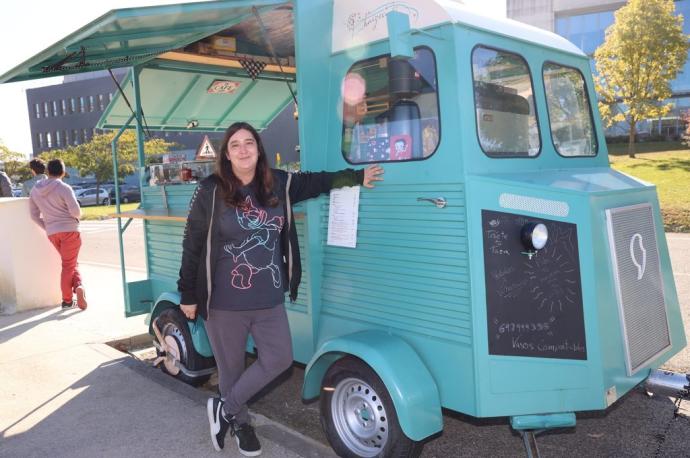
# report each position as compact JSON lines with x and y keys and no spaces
{"x":358,"y":415}
{"x":175,"y":332}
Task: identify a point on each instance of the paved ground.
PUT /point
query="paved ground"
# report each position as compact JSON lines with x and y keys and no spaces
{"x":64,"y":393}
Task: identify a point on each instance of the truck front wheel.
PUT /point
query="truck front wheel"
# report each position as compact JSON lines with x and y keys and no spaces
{"x":358,"y":416}
{"x":180,"y":348}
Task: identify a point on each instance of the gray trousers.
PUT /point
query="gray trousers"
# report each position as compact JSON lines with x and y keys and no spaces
{"x":227,"y":332}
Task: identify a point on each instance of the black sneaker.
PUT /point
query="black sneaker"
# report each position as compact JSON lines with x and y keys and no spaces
{"x":246,"y":439}
{"x":67,"y":305}
{"x":219,"y":425}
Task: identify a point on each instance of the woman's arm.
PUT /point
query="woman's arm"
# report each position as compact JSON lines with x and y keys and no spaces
{"x":306,"y":185}
{"x":195,"y":233}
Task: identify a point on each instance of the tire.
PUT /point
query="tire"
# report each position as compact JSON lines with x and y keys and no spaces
{"x":175,"y":331}
{"x":106,"y":201}
{"x":125,"y":200}
{"x":358,"y":416}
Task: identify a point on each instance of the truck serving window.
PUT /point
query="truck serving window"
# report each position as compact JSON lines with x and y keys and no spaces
{"x":570,"y":115}
{"x":504,"y":102}
{"x":390,"y":109}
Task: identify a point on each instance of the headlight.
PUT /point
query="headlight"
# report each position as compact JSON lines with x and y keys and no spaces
{"x":534,"y":236}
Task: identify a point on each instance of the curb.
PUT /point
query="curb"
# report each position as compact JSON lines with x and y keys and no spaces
{"x":275,"y":432}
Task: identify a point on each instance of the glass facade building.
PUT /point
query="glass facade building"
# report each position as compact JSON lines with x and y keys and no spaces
{"x":585,"y":26}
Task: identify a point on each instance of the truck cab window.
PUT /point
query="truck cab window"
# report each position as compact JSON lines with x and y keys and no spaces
{"x":504,"y":102}
{"x":390,"y":109}
{"x":570,"y":114}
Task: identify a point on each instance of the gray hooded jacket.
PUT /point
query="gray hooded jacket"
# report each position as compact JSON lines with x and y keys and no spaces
{"x":54,"y":207}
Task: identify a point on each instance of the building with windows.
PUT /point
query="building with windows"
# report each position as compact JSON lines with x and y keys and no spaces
{"x":584,"y":23}
{"x":66,"y":114}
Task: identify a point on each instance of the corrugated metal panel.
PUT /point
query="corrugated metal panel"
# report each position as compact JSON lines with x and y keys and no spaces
{"x":639,"y":286}
{"x":410,"y":268}
{"x":164,"y":247}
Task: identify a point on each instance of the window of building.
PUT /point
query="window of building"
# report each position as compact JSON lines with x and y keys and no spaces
{"x":101,"y":102}
{"x":91,"y":103}
{"x":55,"y":108}
{"x":45,"y":109}
{"x":110,"y":97}
{"x":75,"y":137}
{"x":570,"y":114}
{"x":65,"y":139}
{"x":72,"y":105}
{"x":390,"y":109}
{"x":82,"y":105}
{"x":504,"y":104}
{"x":58,"y":139}
{"x":49,"y":140}
{"x":85,"y":135}
{"x":63,"y":105}
{"x":40,"y":140}
{"x":37,"y":109}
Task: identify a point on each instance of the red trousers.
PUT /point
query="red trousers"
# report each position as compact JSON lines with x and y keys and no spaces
{"x":68,"y":244}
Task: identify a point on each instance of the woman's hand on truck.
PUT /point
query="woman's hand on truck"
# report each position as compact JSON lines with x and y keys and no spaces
{"x":371,"y":174}
{"x":189,"y":310}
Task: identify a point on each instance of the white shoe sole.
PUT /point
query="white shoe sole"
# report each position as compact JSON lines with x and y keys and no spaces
{"x":213,"y":426}
{"x":245,"y":452}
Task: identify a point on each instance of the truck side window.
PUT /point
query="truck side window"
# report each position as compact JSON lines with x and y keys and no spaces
{"x":504,"y":102}
{"x":390,"y":109}
{"x":570,"y":114}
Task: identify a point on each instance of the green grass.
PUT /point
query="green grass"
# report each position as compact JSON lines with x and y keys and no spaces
{"x":670,"y":172}
{"x":102,"y":212}
{"x":617,"y":149}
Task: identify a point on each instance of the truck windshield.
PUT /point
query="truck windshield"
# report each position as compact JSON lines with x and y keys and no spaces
{"x":504,"y":102}
{"x":570,"y":114}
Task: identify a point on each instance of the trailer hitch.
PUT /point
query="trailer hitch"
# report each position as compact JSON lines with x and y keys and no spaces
{"x":667,"y":383}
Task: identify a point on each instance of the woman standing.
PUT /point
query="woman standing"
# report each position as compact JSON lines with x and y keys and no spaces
{"x":240,"y":256}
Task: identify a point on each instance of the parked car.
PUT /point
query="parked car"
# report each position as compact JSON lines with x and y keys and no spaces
{"x":89,"y":197}
{"x":127,"y":194}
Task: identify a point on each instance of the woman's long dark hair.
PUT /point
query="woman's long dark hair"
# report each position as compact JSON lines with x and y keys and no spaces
{"x":229,"y":183}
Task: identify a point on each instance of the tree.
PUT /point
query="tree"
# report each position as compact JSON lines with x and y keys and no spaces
{"x":16,"y":166}
{"x":95,"y":157}
{"x":644,"y":50}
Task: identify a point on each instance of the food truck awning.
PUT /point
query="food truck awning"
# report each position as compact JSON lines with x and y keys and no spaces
{"x":184,"y":100}
{"x":133,"y":36}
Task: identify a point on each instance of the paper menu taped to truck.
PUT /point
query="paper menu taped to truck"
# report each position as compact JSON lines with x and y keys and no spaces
{"x":343,"y":215}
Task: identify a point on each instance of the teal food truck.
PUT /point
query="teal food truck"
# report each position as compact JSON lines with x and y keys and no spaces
{"x":502,"y":269}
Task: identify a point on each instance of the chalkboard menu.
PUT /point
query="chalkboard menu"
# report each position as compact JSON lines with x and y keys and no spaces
{"x":534,"y":304}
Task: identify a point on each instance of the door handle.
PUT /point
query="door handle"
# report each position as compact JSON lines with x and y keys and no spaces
{"x":440,"y":202}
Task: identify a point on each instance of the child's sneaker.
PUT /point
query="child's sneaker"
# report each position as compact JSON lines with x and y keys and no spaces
{"x":81,"y":297}
{"x":67,"y":305}
{"x":219,"y":425}
{"x":246,"y":439}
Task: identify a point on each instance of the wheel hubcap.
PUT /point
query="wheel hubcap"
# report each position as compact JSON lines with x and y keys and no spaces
{"x":174,"y":341}
{"x":359,"y":417}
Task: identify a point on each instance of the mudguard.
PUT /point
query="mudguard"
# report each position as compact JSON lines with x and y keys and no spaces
{"x":408,"y":381}
{"x":197,"y":327}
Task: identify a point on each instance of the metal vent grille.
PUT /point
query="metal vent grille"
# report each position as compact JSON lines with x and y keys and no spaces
{"x":534,"y":204}
{"x":639,"y":286}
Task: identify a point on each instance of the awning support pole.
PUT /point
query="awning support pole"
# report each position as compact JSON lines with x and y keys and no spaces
{"x":120,"y":229}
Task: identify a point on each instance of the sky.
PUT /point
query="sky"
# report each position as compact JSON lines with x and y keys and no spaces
{"x":29,"y":27}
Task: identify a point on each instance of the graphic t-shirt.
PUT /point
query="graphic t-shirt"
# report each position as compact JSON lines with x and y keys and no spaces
{"x":249,"y":271}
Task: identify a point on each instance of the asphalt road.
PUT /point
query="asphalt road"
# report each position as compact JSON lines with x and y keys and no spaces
{"x":635,"y":426}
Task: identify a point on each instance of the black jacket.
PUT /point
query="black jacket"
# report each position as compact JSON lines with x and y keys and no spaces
{"x":201,"y":244}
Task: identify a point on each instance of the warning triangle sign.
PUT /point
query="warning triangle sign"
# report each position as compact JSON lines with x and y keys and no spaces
{"x":205,"y":152}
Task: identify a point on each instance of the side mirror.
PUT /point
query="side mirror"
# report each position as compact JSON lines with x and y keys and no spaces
{"x":399,"y":34}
